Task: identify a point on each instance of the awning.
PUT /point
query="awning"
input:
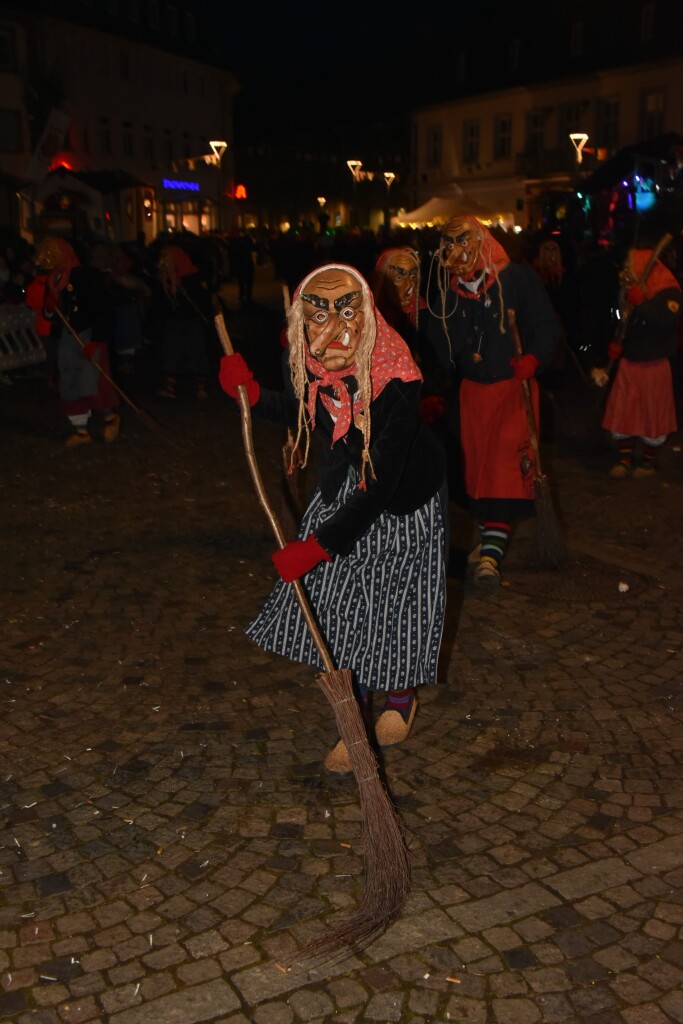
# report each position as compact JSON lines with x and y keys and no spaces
{"x":439,"y":209}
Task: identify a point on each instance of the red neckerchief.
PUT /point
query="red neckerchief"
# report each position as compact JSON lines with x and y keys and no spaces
{"x":391,"y":359}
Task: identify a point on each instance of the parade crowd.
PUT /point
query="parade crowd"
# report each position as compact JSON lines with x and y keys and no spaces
{"x":420,"y":357}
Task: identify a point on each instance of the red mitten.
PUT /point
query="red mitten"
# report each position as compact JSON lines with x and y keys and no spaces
{"x":432,"y":408}
{"x":233,"y":372}
{"x":89,"y":349}
{"x":614,"y":350}
{"x":635,"y":295}
{"x":299,"y":557}
{"x":524,"y":366}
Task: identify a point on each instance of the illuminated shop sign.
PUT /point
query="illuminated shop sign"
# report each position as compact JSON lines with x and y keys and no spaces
{"x":181,"y":186}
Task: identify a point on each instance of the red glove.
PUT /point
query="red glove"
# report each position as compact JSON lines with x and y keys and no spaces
{"x":635,"y":295}
{"x":614,"y":350}
{"x":299,"y":557}
{"x":524,"y":366}
{"x":233,"y":372}
{"x":89,"y":349}
{"x":432,"y":408}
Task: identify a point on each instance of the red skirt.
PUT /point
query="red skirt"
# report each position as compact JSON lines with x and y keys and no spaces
{"x":105,"y":397}
{"x":641,"y":400}
{"x":496,"y":445}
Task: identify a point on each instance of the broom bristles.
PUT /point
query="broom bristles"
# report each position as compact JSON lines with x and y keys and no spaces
{"x":550,"y":551}
{"x":387,"y":864}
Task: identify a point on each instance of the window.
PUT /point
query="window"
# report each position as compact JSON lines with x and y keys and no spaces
{"x":148,"y":144}
{"x":647,"y":23}
{"x":127,"y":138}
{"x":10,"y":131}
{"x":535,"y":131}
{"x":502,"y":136}
{"x":8,"y":57}
{"x":153,"y":14}
{"x":569,"y":120}
{"x":652,"y":114}
{"x":172,"y":20}
{"x":576,"y":39}
{"x":470,"y":142}
{"x":434,"y":145}
{"x":105,"y":135}
{"x":608,"y":123}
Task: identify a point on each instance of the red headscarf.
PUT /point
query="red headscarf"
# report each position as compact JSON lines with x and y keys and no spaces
{"x":174,"y":265}
{"x":660,"y":277}
{"x":59,"y":259}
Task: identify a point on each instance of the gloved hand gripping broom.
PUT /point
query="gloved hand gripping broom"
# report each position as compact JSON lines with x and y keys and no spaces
{"x":387,"y":867}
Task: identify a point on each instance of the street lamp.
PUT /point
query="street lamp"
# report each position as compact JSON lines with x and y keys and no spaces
{"x":321,"y":201}
{"x":579,"y":140}
{"x":389,"y":178}
{"x":354,"y":166}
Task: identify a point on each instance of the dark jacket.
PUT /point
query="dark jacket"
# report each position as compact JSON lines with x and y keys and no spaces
{"x":408,"y":460}
{"x":474,"y":327}
{"x":652,"y":330}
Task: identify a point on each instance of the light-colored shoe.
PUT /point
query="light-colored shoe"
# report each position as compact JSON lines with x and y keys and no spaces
{"x":642,"y":471}
{"x":111,"y":428}
{"x":619,"y":471}
{"x":486,"y":575}
{"x":78,"y":438}
{"x":392,"y":728}
{"x":338,"y":760}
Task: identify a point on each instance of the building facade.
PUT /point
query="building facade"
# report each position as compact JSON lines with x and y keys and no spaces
{"x":112,"y":120}
{"x":502,"y":145}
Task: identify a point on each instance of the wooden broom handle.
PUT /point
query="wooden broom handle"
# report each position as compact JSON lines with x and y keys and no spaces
{"x":526,"y":392}
{"x":248,"y":441}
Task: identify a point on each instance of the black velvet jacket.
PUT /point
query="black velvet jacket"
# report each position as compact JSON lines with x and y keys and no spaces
{"x":652,"y":331}
{"x":478,"y":348}
{"x":408,"y":460}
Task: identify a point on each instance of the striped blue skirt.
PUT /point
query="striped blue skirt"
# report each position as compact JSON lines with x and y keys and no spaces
{"x":380,"y":608}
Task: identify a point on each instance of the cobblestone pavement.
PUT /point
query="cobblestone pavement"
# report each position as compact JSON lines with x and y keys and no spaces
{"x":167,"y":832}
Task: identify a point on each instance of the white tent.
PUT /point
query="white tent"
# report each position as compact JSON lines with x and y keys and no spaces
{"x":439,"y":209}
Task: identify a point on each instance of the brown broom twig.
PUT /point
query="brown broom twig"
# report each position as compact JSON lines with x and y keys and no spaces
{"x":387,"y":866}
{"x":148,"y":420}
{"x":550,"y":549}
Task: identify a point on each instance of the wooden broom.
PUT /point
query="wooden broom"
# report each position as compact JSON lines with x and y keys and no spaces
{"x":387,"y":865}
{"x":550,"y":550}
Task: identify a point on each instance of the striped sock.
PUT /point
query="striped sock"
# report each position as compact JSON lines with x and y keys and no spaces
{"x":650,"y":454}
{"x":494,"y":541}
{"x":401,"y":701}
{"x":625,"y":446}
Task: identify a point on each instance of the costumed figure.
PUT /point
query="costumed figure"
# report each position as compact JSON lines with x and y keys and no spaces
{"x":468,"y":330}
{"x":641,"y":401}
{"x":75,"y":290}
{"x":373,"y":538}
{"x":187,"y":311}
